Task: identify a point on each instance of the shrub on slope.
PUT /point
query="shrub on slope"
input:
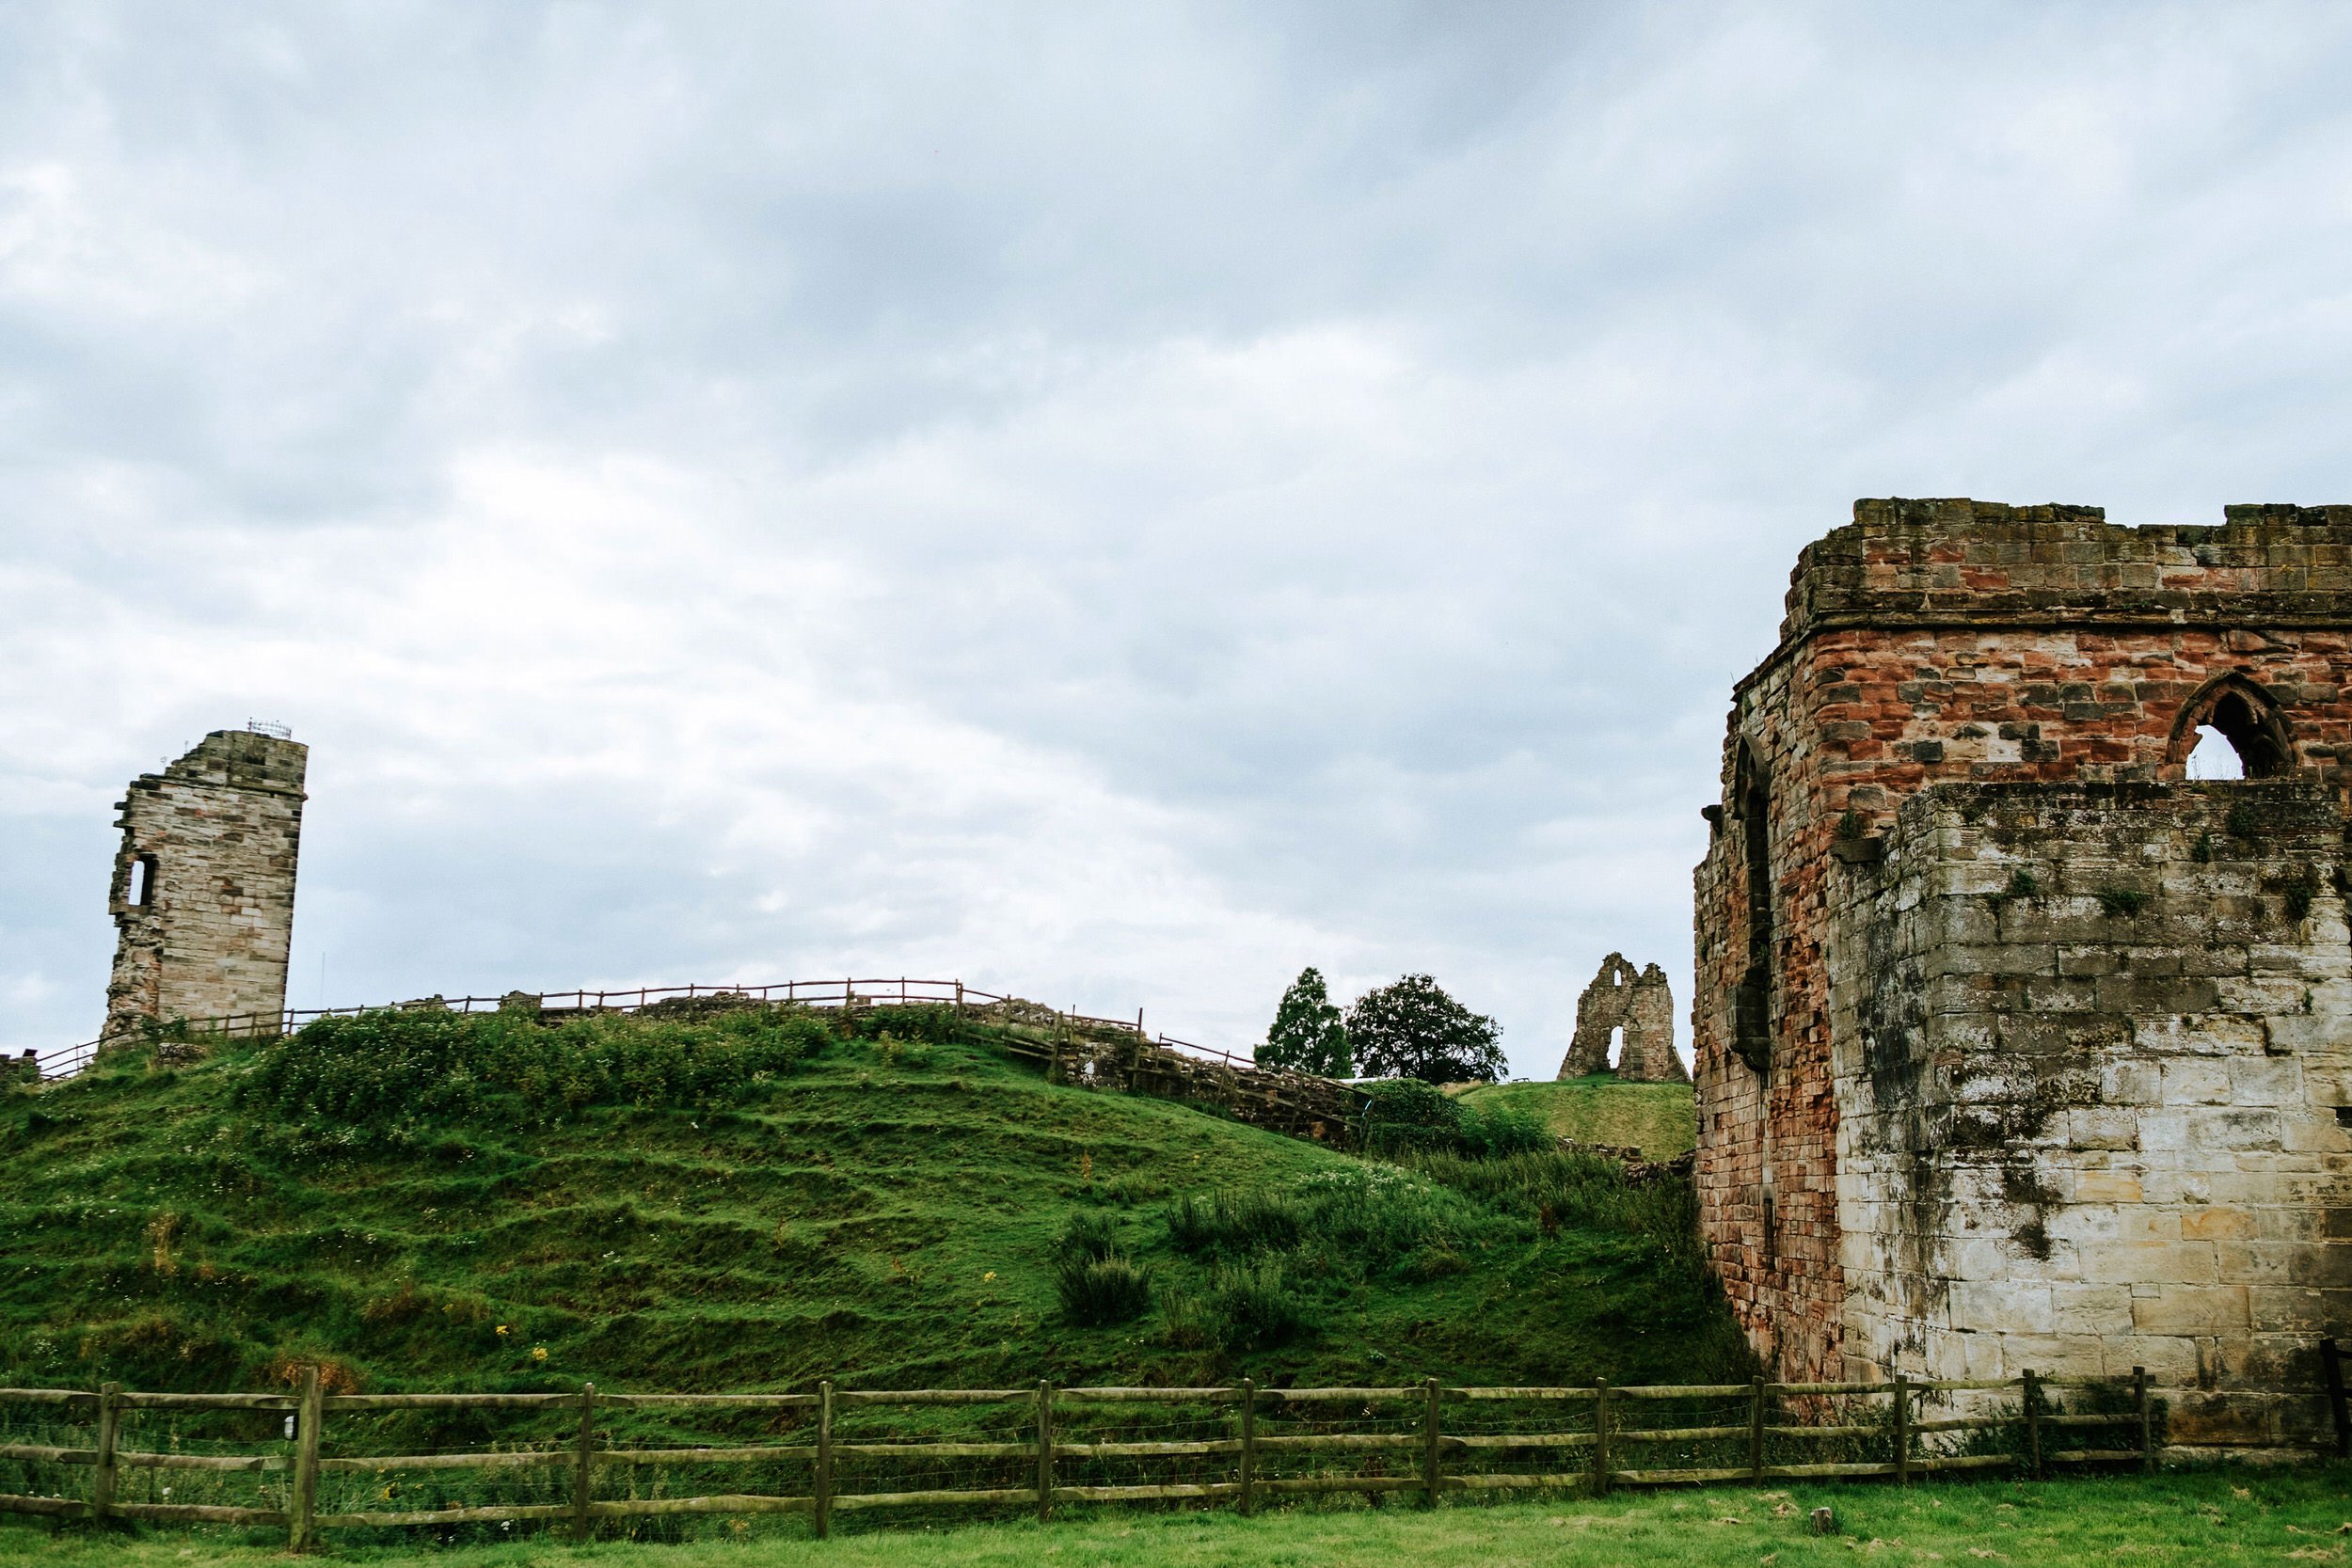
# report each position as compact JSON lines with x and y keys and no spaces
{"x":395,"y":1077}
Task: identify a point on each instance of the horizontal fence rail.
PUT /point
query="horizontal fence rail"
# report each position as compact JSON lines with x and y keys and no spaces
{"x":309,"y":1461}
{"x":846,"y":992}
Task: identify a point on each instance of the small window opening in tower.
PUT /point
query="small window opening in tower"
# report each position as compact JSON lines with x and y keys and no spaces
{"x":1752,"y":998}
{"x":2213,"y":756}
{"x":2238,"y":722}
{"x":142,"y":889}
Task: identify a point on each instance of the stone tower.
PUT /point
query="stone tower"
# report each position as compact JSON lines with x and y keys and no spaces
{"x":1642,"y":1004}
{"x":2015,"y":1048}
{"x":203,"y":886}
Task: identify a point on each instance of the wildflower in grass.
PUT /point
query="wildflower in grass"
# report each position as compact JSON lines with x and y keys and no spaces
{"x":502,"y":1330}
{"x":538,"y":1353}
{"x":988,"y":1277}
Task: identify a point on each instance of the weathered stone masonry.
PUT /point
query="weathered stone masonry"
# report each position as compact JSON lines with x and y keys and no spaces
{"x":2015,"y":1049}
{"x":1639,"y":1003}
{"x":204,"y":882}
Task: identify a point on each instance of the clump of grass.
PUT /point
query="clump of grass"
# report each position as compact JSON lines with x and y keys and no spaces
{"x":1098,"y":1283}
{"x":2243,"y":821}
{"x":1234,"y":1224}
{"x":1089,"y":1235}
{"x":2120,"y":902}
{"x":1255,"y":1305}
{"x":2300,"y":890}
{"x":2022,"y":887}
{"x":1187,"y":1322}
{"x":2201,"y":849}
{"x":1100,"y":1292}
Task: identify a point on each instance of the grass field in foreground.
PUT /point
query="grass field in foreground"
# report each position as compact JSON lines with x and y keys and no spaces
{"x":2206,"y":1518}
{"x":1660,"y":1119}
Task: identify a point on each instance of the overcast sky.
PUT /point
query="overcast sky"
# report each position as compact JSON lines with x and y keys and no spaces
{"x":1115,"y":503}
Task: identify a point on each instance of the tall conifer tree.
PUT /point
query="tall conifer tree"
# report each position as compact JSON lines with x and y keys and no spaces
{"x":1309,"y":1035}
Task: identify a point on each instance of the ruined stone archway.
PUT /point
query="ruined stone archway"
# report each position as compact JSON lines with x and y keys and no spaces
{"x":2248,"y":717}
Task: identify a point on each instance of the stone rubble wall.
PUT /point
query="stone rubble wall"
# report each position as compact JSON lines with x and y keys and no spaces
{"x":222,"y":828}
{"x":1298,"y":1104}
{"x":2093,"y":1047}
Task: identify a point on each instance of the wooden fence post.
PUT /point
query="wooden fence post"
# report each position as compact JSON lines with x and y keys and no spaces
{"x":583,"y":1464}
{"x":102,"y":1485}
{"x":302,"y":1489}
{"x":1249,"y":1444}
{"x":2033,"y":1423}
{"x":2147,"y":1424}
{"x":1755,"y":1432}
{"x":1432,"y":1446}
{"x":824,"y":1510}
{"x":1902,"y":1429}
{"x":2331,"y":1364}
{"x":1045,"y":1449}
{"x":1600,"y":1439}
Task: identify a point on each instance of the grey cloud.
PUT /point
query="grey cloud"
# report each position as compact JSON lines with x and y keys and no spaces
{"x":1124,"y":502}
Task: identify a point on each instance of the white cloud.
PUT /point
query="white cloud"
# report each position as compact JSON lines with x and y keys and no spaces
{"x":1121,"y":507}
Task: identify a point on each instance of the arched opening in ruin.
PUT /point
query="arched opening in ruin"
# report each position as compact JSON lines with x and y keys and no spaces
{"x":141,"y":892}
{"x":2232,"y":729}
{"x":2213,"y":757}
{"x":1752,"y":1003}
{"x":1617,"y":1047}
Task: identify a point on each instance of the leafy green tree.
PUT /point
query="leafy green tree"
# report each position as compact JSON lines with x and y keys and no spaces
{"x":1413,"y":1029}
{"x":1309,"y":1035}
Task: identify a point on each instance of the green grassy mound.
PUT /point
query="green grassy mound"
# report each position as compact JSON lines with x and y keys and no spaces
{"x":758,"y":1201}
{"x":1660,"y":1119}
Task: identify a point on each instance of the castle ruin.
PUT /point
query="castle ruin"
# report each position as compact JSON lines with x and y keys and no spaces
{"x":2016,"y":1048}
{"x":203,"y":884}
{"x":1635,"y":1009}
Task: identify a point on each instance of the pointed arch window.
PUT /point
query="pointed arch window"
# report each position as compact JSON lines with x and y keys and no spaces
{"x":2232,"y":728}
{"x":1753,"y":999}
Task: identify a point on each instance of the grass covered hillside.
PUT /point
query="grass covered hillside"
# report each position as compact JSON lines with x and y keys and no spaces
{"x":758,"y":1199}
{"x":1660,"y":1119}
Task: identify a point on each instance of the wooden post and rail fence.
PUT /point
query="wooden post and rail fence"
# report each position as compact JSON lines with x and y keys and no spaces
{"x":1432,"y":1441}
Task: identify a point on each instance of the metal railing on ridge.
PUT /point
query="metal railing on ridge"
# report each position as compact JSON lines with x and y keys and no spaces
{"x":849,"y":991}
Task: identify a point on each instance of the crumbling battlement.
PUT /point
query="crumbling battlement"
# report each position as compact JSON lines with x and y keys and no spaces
{"x":203,"y":888}
{"x":1956,"y":642}
{"x":1929,"y":563}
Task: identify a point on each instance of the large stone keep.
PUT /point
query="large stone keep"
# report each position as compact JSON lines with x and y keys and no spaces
{"x":2015,"y":1048}
{"x":204,"y":883}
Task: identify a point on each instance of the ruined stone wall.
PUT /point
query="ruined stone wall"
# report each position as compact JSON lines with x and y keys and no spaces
{"x":1641,"y":1003}
{"x":1965,"y":642}
{"x":213,"y":837}
{"x":2094,"y":1050}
